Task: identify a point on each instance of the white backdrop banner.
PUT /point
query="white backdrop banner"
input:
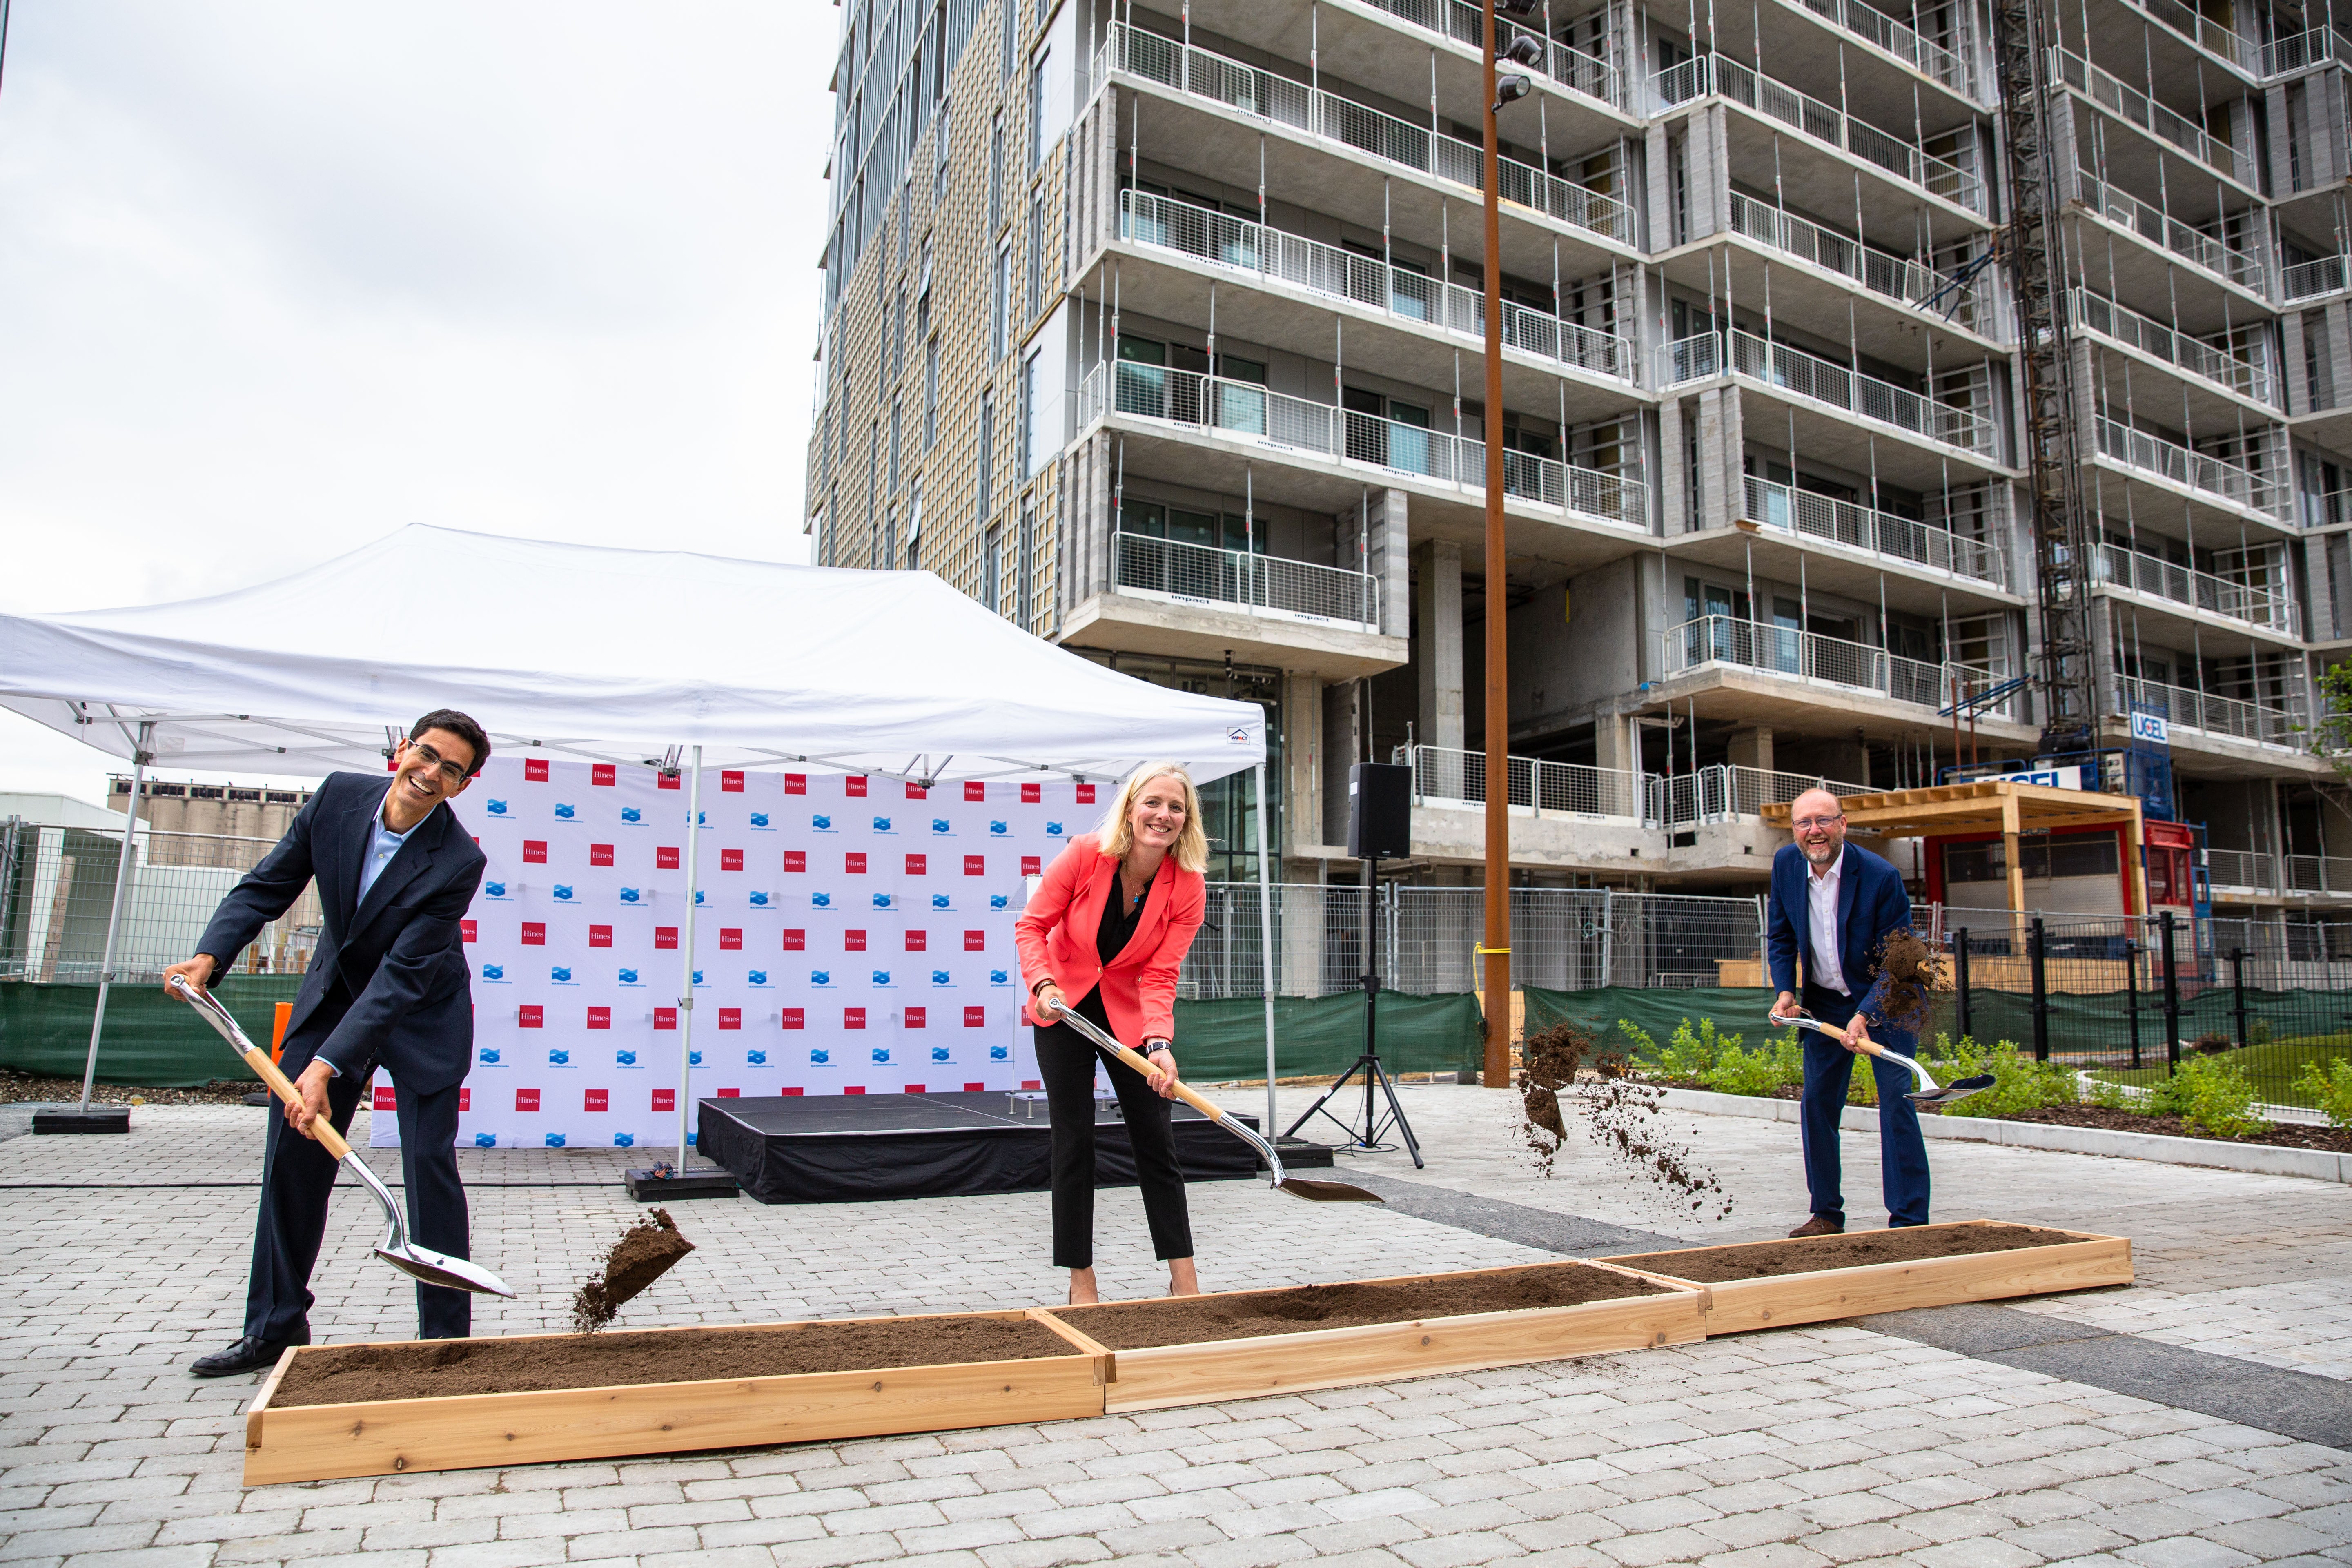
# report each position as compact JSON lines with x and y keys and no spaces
{"x":855,"y":936}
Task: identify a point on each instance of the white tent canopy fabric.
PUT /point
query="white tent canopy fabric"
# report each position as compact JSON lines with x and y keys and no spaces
{"x":613,"y":656}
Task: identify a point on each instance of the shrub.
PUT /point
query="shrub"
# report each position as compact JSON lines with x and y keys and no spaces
{"x":2258,"y":1033}
{"x":2111,"y":1096}
{"x":2329,"y":1085}
{"x":2212,"y":1093}
{"x":1762,"y":1071}
{"x":2018,"y":1082}
{"x":1687,"y":1055}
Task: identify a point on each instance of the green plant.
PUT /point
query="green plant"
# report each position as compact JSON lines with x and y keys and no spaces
{"x":1687,"y":1054}
{"x":2111,"y":1096}
{"x":1762,"y":1071}
{"x":2329,"y":1087}
{"x":1645,"y":1050}
{"x":2018,"y":1082}
{"x":2258,"y":1033}
{"x":2212,"y":1093}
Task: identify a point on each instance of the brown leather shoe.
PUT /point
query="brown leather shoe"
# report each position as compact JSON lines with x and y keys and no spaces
{"x":1820,"y":1225}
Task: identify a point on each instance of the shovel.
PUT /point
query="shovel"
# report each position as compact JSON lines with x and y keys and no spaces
{"x":433,"y":1268}
{"x":1926,"y":1094}
{"x":1297,"y":1186}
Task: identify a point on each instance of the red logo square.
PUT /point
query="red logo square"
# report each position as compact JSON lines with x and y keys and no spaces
{"x":919,"y":941}
{"x":853,"y":941}
{"x":534,"y":933}
{"x":975,"y":789}
{"x":665,"y":858}
{"x":600,"y":1018}
{"x":917,"y":1017}
{"x":853,"y":786}
{"x":730,"y":1017}
{"x":973,"y":1087}
{"x":853,"y":1089}
{"x":730,"y":782}
{"x":914,"y":1089}
{"x":731,"y":859}
{"x":791,"y":1018}
{"x":527,"y":1099}
{"x":1031,"y":865}
{"x":918,"y":865}
{"x":975,"y":941}
{"x":600,"y":853}
{"x":465,"y":1099}
{"x":788,"y":1091}
{"x":796,"y":784}
{"x":1085,"y":797}
{"x":604,"y":775}
{"x":596,"y":1100}
{"x":975,"y":865}
{"x":853,"y":1017}
{"x":730,"y":1094}
{"x":534,"y":851}
{"x":797,"y":941}
{"x":1032,"y":794}
{"x":796,"y":860}
{"x":666,"y":781}
{"x":917,"y":792}
{"x":466,"y":931}
{"x":534,"y":769}
{"x":731,"y":939}
{"x":665,"y":937}
{"x":852,"y":863}
{"x":664,"y":1100}
{"x":531,"y":1015}
{"x":665,"y":1018}
{"x":975,"y":1017}
{"x":386,"y":1098}
{"x":599,"y":936}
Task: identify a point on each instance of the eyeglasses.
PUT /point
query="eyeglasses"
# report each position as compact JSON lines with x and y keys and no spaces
{"x":1821,"y":822}
{"x":451,"y":774}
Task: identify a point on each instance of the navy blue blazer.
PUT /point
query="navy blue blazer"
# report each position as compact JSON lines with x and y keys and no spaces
{"x":1871,"y":903}
{"x":390,"y":981}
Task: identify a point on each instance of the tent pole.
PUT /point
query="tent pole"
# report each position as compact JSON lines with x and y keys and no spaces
{"x":685,"y":983}
{"x":1266,"y":937}
{"x":122,"y":876}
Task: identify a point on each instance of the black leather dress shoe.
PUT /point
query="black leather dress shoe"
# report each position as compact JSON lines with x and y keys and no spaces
{"x":248,"y":1355}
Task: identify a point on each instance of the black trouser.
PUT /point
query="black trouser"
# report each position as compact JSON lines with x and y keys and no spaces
{"x":298,"y":1175}
{"x":1066,"y":1059}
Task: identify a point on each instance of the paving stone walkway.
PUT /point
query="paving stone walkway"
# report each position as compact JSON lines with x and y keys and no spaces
{"x":1832,"y":1443}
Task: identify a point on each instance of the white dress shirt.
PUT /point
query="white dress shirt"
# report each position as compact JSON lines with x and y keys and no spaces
{"x":1822,"y":926}
{"x":382,"y":844}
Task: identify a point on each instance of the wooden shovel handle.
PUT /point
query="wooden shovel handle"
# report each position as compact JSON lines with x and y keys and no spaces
{"x":1208,"y":1108}
{"x":219,"y":1016}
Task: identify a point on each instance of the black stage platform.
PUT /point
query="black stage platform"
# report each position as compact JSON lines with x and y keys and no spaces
{"x":845,"y":1148}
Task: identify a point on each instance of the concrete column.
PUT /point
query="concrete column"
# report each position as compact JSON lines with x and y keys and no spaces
{"x":1384,"y":558}
{"x":1437,"y":643}
{"x":1301,"y":784}
{"x":1751,"y":748}
{"x":1343,"y":743}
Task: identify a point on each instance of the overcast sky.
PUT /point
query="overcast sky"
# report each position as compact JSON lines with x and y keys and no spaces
{"x":278,"y":278}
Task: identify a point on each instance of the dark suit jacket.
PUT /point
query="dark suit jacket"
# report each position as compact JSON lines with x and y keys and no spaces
{"x":390,"y":981}
{"x":1870,"y":904}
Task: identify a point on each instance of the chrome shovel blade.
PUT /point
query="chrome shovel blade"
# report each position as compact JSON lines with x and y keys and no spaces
{"x":439,"y":1268}
{"x":1960,"y":1090}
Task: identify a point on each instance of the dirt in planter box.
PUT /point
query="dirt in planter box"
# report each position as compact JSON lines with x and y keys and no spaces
{"x":1199,"y":1320}
{"x":433,"y":1369}
{"x":1714,"y":1265}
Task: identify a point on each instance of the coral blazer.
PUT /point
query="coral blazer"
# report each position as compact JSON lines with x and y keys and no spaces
{"x":1056,"y":933}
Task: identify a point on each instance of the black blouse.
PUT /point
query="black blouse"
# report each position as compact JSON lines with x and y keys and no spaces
{"x":1118,"y":926}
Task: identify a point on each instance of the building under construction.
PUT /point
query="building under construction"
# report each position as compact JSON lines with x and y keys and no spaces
{"x":1883,"y":392}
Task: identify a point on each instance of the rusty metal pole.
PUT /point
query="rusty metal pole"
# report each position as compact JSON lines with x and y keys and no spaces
{"x":1497,"y":948}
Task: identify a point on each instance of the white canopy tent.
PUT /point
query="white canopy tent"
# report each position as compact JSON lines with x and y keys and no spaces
{"x":638,"y":658}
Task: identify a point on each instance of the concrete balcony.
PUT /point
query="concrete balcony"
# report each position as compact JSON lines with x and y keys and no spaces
{"x":2209,"y":367}
{"x":1783,"y":676}
{"x":2140,"y":269}
{"x":2310,"y":280}
{"x":2152,"y":580}
{"x":1811,"y":381}
{"x":1905,"y":539}
{"x":2163,"y":126}
{"x":1444,"y":775}
{"x":2230,"y":492}
{"x":2320,"y":876}
{"x":2208,"y":716}
{"x":1919,"y":287}
{"x":1175,"y":598}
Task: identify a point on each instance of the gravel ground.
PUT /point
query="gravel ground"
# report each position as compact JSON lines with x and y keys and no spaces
{"x":23,"y":1088}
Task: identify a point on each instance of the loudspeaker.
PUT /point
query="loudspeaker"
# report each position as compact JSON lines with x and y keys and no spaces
{"x":1379,"y":811}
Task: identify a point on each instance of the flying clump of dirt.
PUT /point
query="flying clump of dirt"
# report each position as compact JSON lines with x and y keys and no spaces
{"x":1618,"y":1110}
{"x":646,"y":1252}
{"x":1913,"y":973}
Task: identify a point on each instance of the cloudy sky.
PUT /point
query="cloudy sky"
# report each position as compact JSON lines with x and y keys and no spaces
{"x":278,"y":276}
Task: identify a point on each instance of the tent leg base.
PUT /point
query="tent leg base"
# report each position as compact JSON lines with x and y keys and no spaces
{"x":648,"y":1188}
{"x":70,"y":1119}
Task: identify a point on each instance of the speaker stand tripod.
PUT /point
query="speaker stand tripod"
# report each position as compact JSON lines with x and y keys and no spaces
{"x":1376,"y":1083}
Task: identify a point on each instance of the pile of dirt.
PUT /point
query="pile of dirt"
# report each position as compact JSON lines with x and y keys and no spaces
{"x":1912,"y":975}
{"x":1713,"y":1265}
{"x":1618,"y":1110}
{"x":643,"y":1255}
{"x":1198,"y":1319}
{"x":2283,"y":1134}
{"x":23,"y":1088}
{"x":432,"y":1369}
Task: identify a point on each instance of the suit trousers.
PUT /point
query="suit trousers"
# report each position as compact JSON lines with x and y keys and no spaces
{"x":1065,"y":1060}
{"x":1902,"y":1152}
{"x":297,"y":1176}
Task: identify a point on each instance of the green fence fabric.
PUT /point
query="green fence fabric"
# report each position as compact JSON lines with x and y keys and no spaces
{"x":151,"y":1040}
{"x":1740,"y":1010}
{"x":1318,"y":1036}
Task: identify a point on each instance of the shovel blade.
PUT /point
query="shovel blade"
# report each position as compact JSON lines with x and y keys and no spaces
{"x":1952,"y":1091}
{"x":439,"y":1268}
{"x":1326,"y":1192}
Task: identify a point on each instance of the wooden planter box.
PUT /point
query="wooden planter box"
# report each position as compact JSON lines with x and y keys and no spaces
{"x":1166,"y":1375}
{"x":320,"y":1442}
{"x":1779,"y":1301}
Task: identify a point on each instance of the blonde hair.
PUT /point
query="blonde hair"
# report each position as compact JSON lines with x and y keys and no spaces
{"x":1118,"y":831}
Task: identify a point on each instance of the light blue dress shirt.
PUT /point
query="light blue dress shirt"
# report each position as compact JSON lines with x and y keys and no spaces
{"x":382,"y":844}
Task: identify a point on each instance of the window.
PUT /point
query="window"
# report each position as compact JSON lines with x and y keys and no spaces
{"x":996,"y":172}
{"x":894,"y":445}
{"x":931,"y":393}
{"x":986,"y":466}
{"x":1000,"y":301}
{"x":898,"y":336}
{"x":939,"y":144}
{"x":914,"y":529}
{"x":1037,"y":295}
{"x":1023,"y":559}
{"x":1037,"y":108}
{"x":992,"y":571}
{"x":1031,"y":445}
{"x":883,"y":548}
{"x":1011,"y":27}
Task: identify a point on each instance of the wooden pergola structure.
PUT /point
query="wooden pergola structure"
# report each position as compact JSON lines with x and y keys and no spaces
{"x":2007,"y":807}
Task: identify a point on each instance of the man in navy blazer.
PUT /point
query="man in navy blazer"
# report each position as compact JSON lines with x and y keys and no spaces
{"x":389,"y":985}
{"x":1834,"y":906}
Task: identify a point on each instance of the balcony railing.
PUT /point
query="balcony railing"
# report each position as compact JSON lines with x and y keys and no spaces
{"x":2096,"y":313}
{"x":2312,"y":279}
{"x":1824,"y":122}
{"x":2227,"y":716}
{"x":2318,"y":873}
{"x":2265,"y":490}
{"x":1566,"y":789}
{"x":1880,"y":271}
{"x":2239,"y":265}
{"x":2134,"y":107}
{"x":2250,"y":870}
{"x":1824,"y":517}
{"x":1724,"y":791}
{"x":1817,"y":380}
{"x":2268,"y":608}
{"x":1245,"y":410}
{"x":1262,"y":584}
{"x":1260,"y":251}
{"x":1876,"y":26}
{"x":1325,"y":116}
{"x":1809,"y":656}
{"x":2293,"y":53}
{"x":1466,"y":24}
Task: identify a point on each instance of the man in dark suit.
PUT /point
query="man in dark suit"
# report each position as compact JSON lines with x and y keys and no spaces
{"x":389,"y":985}
{"x":1834,"y":906}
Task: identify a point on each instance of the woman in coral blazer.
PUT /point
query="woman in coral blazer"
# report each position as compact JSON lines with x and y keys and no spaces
{"x":1104,"y":936}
